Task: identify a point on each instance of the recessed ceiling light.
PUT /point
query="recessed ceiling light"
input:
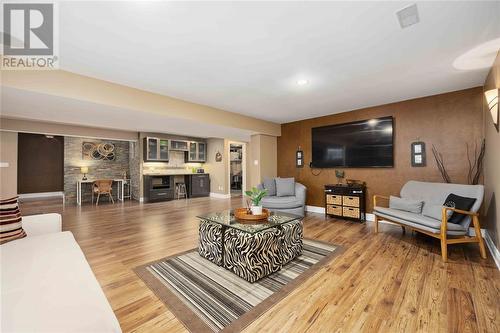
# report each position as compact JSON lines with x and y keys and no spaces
{"x":302,"y":82}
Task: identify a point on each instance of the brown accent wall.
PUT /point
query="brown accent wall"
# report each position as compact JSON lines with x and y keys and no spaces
{"x":448,"y":121}
{"x":40,"y":163}
{"x":492,"y":162}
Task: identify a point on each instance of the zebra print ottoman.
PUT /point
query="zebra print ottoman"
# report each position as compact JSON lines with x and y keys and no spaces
{"x":292,"y":240}
{"x":210,"y":244}
{"x":251,"y":256}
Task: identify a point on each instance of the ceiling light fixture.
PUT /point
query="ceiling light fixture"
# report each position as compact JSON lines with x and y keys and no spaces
{"x":302,"y":82}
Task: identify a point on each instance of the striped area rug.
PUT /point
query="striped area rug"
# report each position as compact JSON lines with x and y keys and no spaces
{"x":209,"y":298}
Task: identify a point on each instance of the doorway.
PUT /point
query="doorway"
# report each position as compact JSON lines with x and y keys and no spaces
{"x":236,"y":169}
{"x":40,"y":163}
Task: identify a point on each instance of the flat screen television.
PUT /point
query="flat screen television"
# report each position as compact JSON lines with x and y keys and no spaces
{"x":360,"y":144}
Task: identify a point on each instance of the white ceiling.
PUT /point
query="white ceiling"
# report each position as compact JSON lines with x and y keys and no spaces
{"x":246,"y":57}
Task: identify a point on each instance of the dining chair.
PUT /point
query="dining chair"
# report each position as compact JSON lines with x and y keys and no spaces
{"x":102,"y":186}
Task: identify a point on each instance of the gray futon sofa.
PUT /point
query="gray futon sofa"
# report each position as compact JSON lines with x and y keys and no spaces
{"x":432,"y":197}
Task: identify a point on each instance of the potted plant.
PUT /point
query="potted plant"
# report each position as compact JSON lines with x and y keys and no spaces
{"x":256,"y":195}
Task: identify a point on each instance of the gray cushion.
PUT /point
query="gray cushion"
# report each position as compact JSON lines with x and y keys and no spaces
{"x":417,"y":220}
{"x":437,"y":193}
{"x":409,"y":205}
{"x":282,"y":202}
{"x":435,"y":211}
{"x":285,"y":186}
{"x":270,"y":186}
{"x":420,"y":226}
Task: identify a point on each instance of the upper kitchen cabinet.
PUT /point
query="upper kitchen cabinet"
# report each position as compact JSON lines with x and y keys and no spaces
{"x":180,"y":145}
{"x":197,"y":152}
{"x":155,"y":150}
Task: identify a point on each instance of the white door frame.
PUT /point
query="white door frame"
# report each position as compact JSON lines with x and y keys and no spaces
{"x":243,"y":165}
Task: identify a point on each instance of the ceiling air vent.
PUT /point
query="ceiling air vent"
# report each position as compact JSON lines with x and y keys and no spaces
{"x":408,"y":16}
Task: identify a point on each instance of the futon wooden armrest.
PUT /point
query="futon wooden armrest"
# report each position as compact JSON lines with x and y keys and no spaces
{"x":445,"y":209}
{"x":376,"y":196}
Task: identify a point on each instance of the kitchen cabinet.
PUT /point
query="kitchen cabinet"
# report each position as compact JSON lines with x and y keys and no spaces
{"x":158,"y":188}
{"x":197,"y":152}
{"x":197,"y":185}
{"x":155,"y":150}
{"x":179,"y":145}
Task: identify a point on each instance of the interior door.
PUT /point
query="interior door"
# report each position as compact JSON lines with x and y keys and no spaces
{"x":40,"y":166}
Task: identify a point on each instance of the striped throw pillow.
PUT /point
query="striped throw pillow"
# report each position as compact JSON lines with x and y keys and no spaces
{"x":10,"y":221}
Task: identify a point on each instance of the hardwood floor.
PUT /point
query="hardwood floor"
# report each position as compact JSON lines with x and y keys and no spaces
{"x":386,"y":282}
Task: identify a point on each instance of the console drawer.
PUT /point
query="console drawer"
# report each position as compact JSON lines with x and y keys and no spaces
{"x":161,"y":194}
{"x":351,"y":212}
{"x":350,"y":201}
{"x":333,"y":199}
{"x":334,"y":210}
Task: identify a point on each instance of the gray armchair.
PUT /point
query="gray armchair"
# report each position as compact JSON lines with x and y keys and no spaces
{"x":294,"y":204}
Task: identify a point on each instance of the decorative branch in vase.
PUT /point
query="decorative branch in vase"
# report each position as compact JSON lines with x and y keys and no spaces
{"x":475,"y":163}
{"x":440,"y":164}
{"x":476,"y":168}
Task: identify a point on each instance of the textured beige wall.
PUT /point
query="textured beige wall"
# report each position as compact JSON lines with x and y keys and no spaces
{"x":268,"y":156}
{"x":492,"y":162}
{"x":217,"y":170}
{"x":263,"y":149}
{"x":8,"y":154}
{"x":254,"y":157}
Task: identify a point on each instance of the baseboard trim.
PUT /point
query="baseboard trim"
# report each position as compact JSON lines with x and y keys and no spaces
{"x":220,"y":195}
{"x":41,"y":195}
{"x":495,"y":253}
{"x":321,"y":210}
{"x":315,"y":209}
{"x":370,"y":217}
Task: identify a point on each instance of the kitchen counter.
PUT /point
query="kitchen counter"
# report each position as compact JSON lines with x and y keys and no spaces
{"x":175,"y":174}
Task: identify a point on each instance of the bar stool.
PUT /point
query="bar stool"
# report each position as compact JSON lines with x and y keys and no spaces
{"x":180,"y":190}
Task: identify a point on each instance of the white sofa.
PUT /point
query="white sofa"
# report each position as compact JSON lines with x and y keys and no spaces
{"x":47,"y":284}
